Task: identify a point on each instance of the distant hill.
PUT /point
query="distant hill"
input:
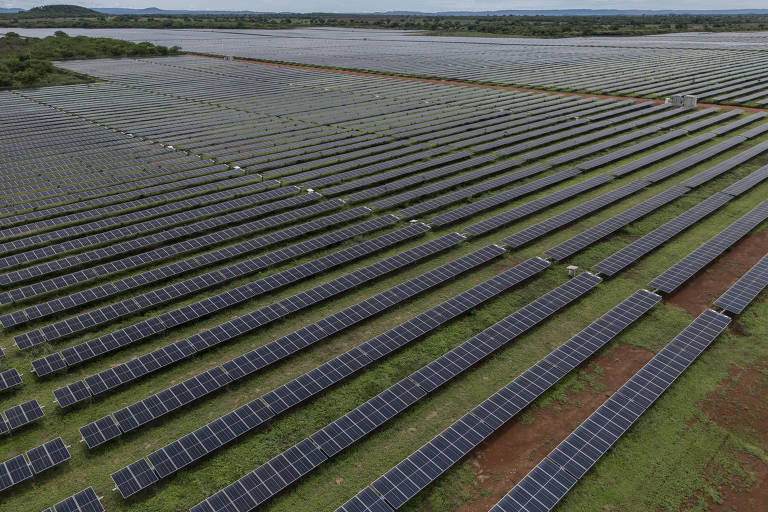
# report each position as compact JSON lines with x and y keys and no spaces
{"x":58,"y":11}
{"x":70,"y":11}
{"x":576,"y":12}
{"x":159,"y":12}
{"x":562,"y":12}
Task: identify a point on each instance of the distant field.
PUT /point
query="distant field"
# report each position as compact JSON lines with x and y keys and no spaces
{"x":198,"y":171}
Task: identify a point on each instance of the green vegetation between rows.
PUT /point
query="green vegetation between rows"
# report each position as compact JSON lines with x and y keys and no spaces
{"x":26,"y":61}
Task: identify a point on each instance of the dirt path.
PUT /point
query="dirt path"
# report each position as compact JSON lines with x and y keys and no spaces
{"x":515,"y":449}
{"x":470,"y":84}
{"x":740,"y":407}
{"x":708,"y":285}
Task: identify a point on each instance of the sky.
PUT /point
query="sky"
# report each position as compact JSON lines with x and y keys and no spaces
{"x":396,"y":5}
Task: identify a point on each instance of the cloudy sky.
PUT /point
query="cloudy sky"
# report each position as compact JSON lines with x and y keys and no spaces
{"x":398,"y":5}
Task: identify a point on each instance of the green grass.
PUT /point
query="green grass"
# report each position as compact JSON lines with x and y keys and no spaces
{"x":622,"y":479}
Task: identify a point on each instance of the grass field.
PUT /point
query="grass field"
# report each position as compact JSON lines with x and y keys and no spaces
{"x":675,"y":455}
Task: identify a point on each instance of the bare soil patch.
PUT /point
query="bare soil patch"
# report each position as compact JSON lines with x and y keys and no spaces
{"x":514,"y":450}
{"x":739,"y":406}
{"x":709,"y":284}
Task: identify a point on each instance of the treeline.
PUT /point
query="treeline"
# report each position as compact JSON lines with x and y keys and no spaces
{"x":526,"y":26}
{"x":26,"y":61}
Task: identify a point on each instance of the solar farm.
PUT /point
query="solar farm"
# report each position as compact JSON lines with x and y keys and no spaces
{"x":717,"y":68}
{"x":230,"y":285}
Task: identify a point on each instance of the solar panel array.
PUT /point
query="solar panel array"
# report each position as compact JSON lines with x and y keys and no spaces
{"x":610,"y":226}
{"x":48,"y":455}
{"x":41,"y":458}
{"x":680,"y":272}
{"x":228,"y":330}
{"x":101,"y":292}
{"x":9,"y":378}
{"x":147,"y":211}
{"x":746,"y":289}
{"x":174,"y":456}
{"x":83,"y":501}
{"x":20,"y":415}
{"x":548,"y":482}
{"x":269,"y":479}
{"x":211,"y":380}
{"x":425,"y":465}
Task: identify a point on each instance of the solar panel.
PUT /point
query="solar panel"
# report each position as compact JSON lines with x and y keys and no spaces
{"x":541,"y":490}
{"x":265,"y":481}
{"x":24,"y":413}
{"x":610,"y":226}
{"x":366,"y":501}
{"x":726,"y":165}
{"x":46,"y":456}
{"x":481,"y":205}
{"x":645,"y":244}
{"x":132,"y":479}
{"x":536,"y":205}
{"x":746,"y":183}
{"x":744,"y":291}
{"x":84,"y":501}
{"x":100,"y":431}
{"x":543,"y":487}
{"x":71,"y":394}
{"x":14,"y":471}
{"x":411,"y":475}
{"x":9,"y":378}
{"x":683,"y":270}
{"x":424,"y":466}
{"x":544,"y":227}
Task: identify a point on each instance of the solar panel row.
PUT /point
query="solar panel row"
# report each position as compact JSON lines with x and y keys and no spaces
{"x":165,"y":252}
{"x":424,"y":466}
{"x":546,"y":485}
{"x":189,"y":390}
{"x":41,"y":458}
{"x":540,"y":229}
{"x":615,"y":223}
{"x":746,"y":289}
{"x":680,"y":272}
{"x":178,"y":268}
{"x":174,"y":226}
{"x":274,"y":476}
{"x":83,"y":501}
{"x":228,"y":330}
